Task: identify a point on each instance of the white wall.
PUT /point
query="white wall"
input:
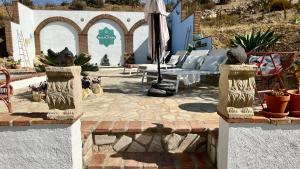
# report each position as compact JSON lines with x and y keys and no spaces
{"x":41,"y":146}
{"x":255,"y":146}
{"x":57,"y":36}
{"x":180,"y":30}
{"x":83,"y":17}
{"x":140,"y":44}
{"x":26,"y":27}
{"x":114,"y":52}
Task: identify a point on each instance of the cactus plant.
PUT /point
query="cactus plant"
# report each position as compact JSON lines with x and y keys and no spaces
{"x":65,"y":58}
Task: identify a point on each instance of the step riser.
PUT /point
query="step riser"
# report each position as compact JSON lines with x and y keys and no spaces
{"x":151,"y":142}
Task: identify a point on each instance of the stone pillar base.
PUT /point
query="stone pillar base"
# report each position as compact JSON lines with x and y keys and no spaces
{"x":62,"y":115}
{"x":237,"y":90}
{"x":64,"y":94}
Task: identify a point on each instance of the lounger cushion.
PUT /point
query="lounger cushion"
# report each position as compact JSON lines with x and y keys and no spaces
{"x":266,"y":65}
{"x":174,"y":60}
{"x":194,"y":58}
{"x":214,"y":59}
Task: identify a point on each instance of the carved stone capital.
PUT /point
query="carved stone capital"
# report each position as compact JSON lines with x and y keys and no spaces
{"x":237,"y":90}
{"x":64,"y":94}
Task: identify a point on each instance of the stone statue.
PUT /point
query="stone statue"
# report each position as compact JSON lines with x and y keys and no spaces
{"x":105,"y":61}
{"x":236,"y":55}
{"x":63,"y":59}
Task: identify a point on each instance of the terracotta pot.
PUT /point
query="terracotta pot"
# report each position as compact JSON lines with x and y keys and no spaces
{"x":294,"y":104}
{"x":18,"y":66}
{"x":36,"y":97}
{"x":277,"y":104}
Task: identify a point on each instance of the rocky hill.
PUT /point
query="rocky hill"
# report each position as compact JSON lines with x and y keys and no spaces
{"x":239,"y":19}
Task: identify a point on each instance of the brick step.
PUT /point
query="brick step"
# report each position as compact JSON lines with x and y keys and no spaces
{"x":137,"y":137}
{"x":109,"y":137}
{"x":150,"y":161}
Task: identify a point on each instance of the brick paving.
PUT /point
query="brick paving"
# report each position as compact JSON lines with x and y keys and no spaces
{"x":125,"y":99}
{"x":151,"y":161}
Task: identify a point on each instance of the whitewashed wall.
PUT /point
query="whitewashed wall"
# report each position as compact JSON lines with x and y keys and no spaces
{"x":26,"y":26}
{"x":83,"y":17}
{"x":57,"y":36}
{"x":41,"y":146}
{"x":255,"y":146}
{"x":140,"y":44}
{"x":114,"y":52}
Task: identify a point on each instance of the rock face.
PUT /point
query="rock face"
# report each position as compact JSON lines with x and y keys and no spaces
{"x":237,"y":90}
{"x":64,"y":94}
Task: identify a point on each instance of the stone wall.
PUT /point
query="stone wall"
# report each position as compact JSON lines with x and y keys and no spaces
{"x":151,"y":142}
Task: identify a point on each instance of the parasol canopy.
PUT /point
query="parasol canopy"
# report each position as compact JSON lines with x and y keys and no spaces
{"x":155,"y":13}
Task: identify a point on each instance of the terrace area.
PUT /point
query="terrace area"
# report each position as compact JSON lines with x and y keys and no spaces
{"x":125,"y":99}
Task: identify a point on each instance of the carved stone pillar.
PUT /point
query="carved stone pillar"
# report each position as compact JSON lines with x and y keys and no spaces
{"x":64,"y":94}
{"x":237,"y":91}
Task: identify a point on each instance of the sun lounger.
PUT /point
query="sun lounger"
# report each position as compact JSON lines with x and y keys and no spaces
{"x":195,"y":67}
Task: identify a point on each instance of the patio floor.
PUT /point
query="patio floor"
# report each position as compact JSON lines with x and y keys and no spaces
{"x":125,"y":100}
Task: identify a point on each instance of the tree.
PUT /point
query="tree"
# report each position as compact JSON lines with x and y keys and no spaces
{"x":26,"y":2}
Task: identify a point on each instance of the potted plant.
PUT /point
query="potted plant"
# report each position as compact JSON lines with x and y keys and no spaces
{"x":96,"y":86}
{"x":294,"y":105}
{"x":86,"y":83}
{"x":39,"y":93}
{"x":277,"y":102}
{"x":16,"y":64}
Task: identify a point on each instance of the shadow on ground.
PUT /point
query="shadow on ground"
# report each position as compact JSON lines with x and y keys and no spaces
{"x":199,"y":107}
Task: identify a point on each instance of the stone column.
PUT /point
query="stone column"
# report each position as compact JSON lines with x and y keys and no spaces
{"x":64,"y":94}
{"x":237,"y":91}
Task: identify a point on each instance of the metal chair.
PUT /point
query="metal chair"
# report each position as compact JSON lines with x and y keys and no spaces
{"x":6,"y":90}
{"x":268,"y":81}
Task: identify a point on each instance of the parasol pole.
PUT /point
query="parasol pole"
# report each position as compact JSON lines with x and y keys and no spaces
{"x":157,"y":45}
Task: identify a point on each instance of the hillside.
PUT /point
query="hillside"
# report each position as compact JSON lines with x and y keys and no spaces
{"x":223,"y":30}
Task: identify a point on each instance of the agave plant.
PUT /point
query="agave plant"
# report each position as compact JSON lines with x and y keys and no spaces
{"x":256,"y":41}
{"x":66,"y":58}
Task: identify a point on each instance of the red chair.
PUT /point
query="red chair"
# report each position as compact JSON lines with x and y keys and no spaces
{"x":269,"y":72}
{"x":6,"y":90}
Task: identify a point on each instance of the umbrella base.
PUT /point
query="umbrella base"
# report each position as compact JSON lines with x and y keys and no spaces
{"x":162,"y":90}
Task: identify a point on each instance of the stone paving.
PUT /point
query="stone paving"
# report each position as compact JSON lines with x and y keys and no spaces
{"x":125,"y":99}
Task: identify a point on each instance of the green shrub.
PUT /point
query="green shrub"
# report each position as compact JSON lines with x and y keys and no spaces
{"x":256,"y":41}
{"x":27,"y":2}
{"x":65,"y":3}
{"x":298,"y":7}
{"x":78,"y":5}
{"x":95,"y":3}
{"x":279,"y":5}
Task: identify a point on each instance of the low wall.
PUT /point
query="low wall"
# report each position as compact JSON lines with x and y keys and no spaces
{"x":36,"y":143}
{"x":259,"y":142}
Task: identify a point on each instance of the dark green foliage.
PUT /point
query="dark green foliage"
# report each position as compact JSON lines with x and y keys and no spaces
{"x":279,"y":5}
{"x":298,"y":7}
{"x":124,"y":2}
{"x":256,"y":41}
{"x":64,"y":3}
{"x":78,"y":5}
{"x":95,"y":3}
{"x":80,"y":60}
{"x":27,"y":2}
